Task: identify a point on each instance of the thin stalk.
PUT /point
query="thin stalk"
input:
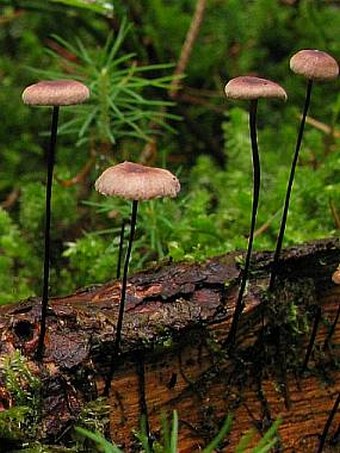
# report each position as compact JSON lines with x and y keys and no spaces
{"x":256,"y":193}
{"x":289,"y":187}
{"x":328,"y":424}
{"x":125,"y":274}
{"x":120,"y":250}
{"x":316,"y":323}
{"x":45,"y":293}
{"x":140,"y":360}
{"x":332,"y":329}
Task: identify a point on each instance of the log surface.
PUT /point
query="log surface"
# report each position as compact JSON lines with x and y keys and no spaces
{"x":177,"y":318}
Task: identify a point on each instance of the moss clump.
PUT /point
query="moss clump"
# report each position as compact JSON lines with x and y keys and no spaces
{"x":21,"y":399}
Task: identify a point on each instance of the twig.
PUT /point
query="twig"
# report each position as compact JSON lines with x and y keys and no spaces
{"x":195,"y":100}
{"x":335,"y":214}
{"x":264,"y":227}
{"x":79,"y":178}
{"x":10,"y":199}
{"x":322,"y":127}
{"x":181,"y":65}
{"x":188,"y":45}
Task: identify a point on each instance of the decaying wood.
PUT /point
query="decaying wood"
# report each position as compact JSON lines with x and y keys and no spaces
{"x":177,"y":319}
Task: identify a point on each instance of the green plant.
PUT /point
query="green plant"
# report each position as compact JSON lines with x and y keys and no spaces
{"x":268,"y":441}
{"x":99,"y":440}
{"x":169,"y":439}
{"x":96,"y":6}
{"x":121,"y":103}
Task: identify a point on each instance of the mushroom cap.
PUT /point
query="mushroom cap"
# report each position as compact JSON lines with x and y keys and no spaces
{"x":251,"y":88}
{"x":336,"y":276}
{"x":55,"y":93}
{"x":137,"y":182}
{"x":314,"y":64}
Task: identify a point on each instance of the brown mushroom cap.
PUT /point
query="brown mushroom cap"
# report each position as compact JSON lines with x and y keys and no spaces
{"x":137,"y":182}
{"x":336,"y":276}
{"x":314,"y":64}
{"x":251,"y":88}
{"x":55,"y":93}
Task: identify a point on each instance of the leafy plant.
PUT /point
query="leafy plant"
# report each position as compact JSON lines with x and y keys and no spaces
{"x":268,"y":441}
{"x":103,"y":7}
{"x":119,"y":107}
{"x":169,"y":442}
{"x":99,"y":440}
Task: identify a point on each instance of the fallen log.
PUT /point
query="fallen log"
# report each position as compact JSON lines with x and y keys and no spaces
{"x":173,"y":353}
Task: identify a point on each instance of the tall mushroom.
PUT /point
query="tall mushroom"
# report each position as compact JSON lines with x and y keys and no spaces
{"x":314,"y":65}
{"x":251,"y":89}
{"x":53,"y":94}
{"x":134,"y":182}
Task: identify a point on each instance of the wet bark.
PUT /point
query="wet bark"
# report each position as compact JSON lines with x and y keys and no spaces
{"x":173,"y":352}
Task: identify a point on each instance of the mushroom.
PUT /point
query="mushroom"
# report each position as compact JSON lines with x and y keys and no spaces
{"x":134,"y":182}
{"x":336,"y":276}
{"x":250,"y":88}
{"x":313,"y":65}
{"x":53,"y":93}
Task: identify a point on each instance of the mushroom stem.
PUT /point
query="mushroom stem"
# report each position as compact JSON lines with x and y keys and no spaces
{"x":45,"y":294}
{"x":256,"y":192}
{"x":289,"y":188}
{"x":125,"y":273}
{"x":332,"y":329}
{"x":120,"y":249}
{"x":316,"y":323}
{"x":328,"y":423}
{"x":140,"y":369}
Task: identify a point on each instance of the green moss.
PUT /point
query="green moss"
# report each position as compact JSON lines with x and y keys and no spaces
{"x":21,"y":420}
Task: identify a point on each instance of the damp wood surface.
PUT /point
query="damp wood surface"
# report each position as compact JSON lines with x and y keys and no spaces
{"x":177,"y":318}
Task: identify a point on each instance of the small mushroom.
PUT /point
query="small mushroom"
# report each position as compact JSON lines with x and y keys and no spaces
{"x":314,"y":65}
{"x":336,"y":276}
{"x":134,"y":182}
{"x":54,"y":93}
{"x":251,"y":89}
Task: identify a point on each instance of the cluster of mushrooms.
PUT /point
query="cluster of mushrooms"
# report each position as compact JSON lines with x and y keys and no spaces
{"x":136,"y":182}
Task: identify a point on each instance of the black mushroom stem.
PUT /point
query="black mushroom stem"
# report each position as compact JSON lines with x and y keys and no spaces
{"x":120,"y":249}
{"x":133,"y":182}
{"x":281,"y":233}
{"x":314,"y":65}
{"x":51,"y":93}
{"x":47,"y":232}
{"x":256,"y":194}
{"x":328,"y":423}
{"x":251,"y":89}
{"x":133,"y":222}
